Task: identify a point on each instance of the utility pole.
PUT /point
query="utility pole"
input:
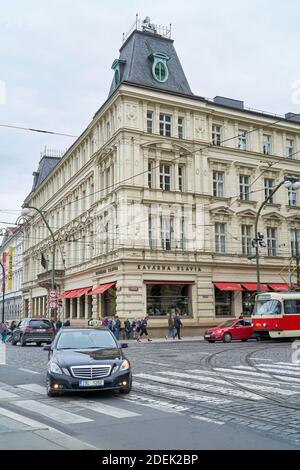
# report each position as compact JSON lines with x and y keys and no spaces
{"x":297,"y":256}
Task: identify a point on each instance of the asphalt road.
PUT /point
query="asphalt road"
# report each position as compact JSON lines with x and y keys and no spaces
{"x":186,"y":395}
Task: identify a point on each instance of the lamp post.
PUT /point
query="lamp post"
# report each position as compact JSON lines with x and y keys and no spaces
{"x":26,"y":211}
{"x":3,"y":290}
{"x":290,"y":182}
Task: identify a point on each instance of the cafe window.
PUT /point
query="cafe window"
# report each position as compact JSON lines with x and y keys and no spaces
{"x":163,"y":299}
{"x":223,"y":303}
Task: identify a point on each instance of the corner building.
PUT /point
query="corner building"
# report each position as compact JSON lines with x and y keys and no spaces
{"x":153,"y":206}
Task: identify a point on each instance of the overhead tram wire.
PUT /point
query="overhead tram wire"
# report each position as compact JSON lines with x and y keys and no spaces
{"x":41,"y":131}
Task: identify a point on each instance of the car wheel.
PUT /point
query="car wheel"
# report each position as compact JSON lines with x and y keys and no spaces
{"x":39,"y":343}
{"x":13,"y":342}
{"x":244,"y":340}
{"x":22,"y":342}
{"x":211,"y":341}
{"x":50,"y":392}
{"x":227,"y":338}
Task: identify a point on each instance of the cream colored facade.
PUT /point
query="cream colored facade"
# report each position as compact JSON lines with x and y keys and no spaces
{"x":100,"y":214}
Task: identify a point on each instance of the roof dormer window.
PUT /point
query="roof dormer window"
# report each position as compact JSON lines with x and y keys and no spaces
{"x":159,"y":68}
{"x":116,"y":66}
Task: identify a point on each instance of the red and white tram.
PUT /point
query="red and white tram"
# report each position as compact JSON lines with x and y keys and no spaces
{"x":276,"y":315}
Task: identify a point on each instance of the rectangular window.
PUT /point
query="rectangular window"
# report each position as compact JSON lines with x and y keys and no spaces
{"x":180,"y":128}
{"x":218,"y":183}
{"x":289,"y":148}
{"x":272,"y":241}
{"x":292,"y":306}
{"x":182,"y":239}
{"x":223,"y":303}
{"x":165,"y":125}
{"x":246,"y":239}
{"x":150,"y":122}
{"x":295,"y":242}
{"x":180,"y":178}
{"x":242,"y":139}
{"x":166,"y":230}
{"x":216,"y":134}
{"x":244,"y":187}
{"x":267,"y":144}
{"x":220,"y":238}
{"x":269,"y":186}
{"x":292,"y":195}
{"x":150,"y":174}
{"x":165,"y":177}
{"x":151,"y":231}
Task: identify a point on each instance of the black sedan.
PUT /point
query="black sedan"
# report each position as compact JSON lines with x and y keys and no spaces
{"x":86,"y":359}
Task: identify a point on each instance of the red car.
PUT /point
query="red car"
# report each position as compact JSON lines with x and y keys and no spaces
{"x":230,"y":330}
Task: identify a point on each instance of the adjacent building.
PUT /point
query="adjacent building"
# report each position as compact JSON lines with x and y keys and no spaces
{"x":153,"y":206}
{"x":11,"y":255}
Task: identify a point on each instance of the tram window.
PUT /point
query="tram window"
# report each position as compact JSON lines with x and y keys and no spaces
{"x":267,"y":307}
{"x":292,"y":306}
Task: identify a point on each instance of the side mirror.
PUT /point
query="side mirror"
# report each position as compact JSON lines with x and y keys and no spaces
{"x":47,"y":348}
{"x":124,"y":345}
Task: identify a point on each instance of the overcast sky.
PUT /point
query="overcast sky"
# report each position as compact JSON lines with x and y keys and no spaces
{"x":56,"y":56}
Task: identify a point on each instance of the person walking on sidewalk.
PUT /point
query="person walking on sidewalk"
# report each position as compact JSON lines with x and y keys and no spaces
{"x":3,"y":332}
{"x":177,"y":324}
{"x":144,"y":330}
{"x":117,"y":327}
{"x":127,"y":327}
{"x":170,"y":332}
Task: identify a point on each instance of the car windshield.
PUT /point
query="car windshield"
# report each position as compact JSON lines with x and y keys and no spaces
{"x":267,"y":307}
{"x":227,"y":323}
{"x":87,"y":339}
{"x":40,"y":323}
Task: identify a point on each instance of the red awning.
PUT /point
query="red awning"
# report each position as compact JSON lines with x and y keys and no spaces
{"x":155,"y":283}
{"x":279,"y":287}
{"x":102,"y":288}
{"x":71,"y":294}
{"x":253,"y":287}
{"x":228,"y":286}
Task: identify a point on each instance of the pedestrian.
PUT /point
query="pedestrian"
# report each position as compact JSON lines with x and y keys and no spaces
{"x":58,"y":325}
{"x":105,"y":322}
{"x":3,"y":331}
{"x":127,"y":327}
{"x":117,"y":327}
{"x":177,"y":324}
{"x":67,"y":323}
{"x":137,"y":328}
{"x":144,"y":328}
{"x":170,"y":332}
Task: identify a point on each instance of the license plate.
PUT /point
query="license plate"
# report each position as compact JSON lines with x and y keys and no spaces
{"x":91,"y":383}
{"x":41,"y":330}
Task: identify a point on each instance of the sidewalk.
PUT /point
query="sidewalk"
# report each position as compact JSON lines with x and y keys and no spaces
{"x":185,"y":339}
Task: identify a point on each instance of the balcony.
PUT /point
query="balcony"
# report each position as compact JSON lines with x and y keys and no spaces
{"x":45,"y":279}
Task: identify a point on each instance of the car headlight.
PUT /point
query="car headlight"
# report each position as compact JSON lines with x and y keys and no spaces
{"x":54,"y":368}
{"x":125,"y":365}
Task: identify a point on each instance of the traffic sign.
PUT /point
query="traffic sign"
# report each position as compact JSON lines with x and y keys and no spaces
{"x":52,"y":294}
{"x":53,"y":304}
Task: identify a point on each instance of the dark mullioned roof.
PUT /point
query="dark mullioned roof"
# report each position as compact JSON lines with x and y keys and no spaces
{"x":46,"y":165}
{"x":137,"y":69}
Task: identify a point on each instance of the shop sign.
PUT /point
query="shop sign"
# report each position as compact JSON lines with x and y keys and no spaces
{"x":108,"y":270}
{"x":169,"y":268}
{"x":133,"y":288}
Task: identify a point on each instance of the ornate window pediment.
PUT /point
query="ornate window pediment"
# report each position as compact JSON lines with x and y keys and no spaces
{"x":221,"y":212}
{"x":273,"y":216}
{"x":247,"y":213}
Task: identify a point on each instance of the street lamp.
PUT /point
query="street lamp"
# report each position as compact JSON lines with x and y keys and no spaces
{"x":289,"y":182}
{"x":27,"y":211}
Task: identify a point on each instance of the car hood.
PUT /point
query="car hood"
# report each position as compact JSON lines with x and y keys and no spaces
{"x":72,"y":357}
{"x":218,"y":328}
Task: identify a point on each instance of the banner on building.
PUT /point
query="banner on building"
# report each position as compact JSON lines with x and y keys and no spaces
{"x":10,"y":268}
{"x":4,"y":266}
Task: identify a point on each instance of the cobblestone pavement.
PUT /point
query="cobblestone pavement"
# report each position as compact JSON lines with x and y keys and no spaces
{"x":241,"y":387}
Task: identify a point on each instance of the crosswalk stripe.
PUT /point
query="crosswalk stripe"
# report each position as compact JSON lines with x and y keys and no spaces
{"x":21,"y":419}
{"x":207,"y":420}
{"x":255,"y":386}
{"x":202,"y":387}
{"x":30,"y":371}
{"x":4,"y":394}
{"x":107,"y":409}
{"x":274,"y":370}
{"x":239,"y":371}
{"x":288,"y":380}
{"x":288,"y":364}
{"x":160,"y":405}
{"x":280,"y":368}
{"x":185,"y":394}
{"x":33,"y":388}
{"x":54,"y":413}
